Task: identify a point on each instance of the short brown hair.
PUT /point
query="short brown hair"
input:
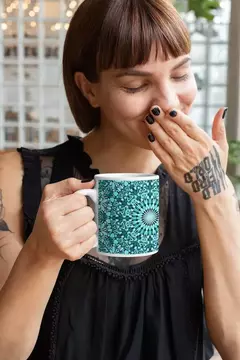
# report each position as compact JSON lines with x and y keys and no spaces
{"x":107,"y":34}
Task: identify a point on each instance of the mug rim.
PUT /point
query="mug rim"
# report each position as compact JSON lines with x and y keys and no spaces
{"x":126,"y":176}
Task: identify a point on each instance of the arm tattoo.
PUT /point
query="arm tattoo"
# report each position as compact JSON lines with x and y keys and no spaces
{"x":3,"y":224}
{"x":237,"y":202}
{"x":208,"y":177}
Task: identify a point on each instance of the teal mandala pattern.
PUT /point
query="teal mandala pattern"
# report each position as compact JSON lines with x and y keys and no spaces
{"x":128,"y":217}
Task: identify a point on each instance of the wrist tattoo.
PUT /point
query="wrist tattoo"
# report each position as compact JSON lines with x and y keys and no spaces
{"x":208,"y":177}
{"x":3,"y":224}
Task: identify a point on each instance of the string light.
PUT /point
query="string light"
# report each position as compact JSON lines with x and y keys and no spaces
{"x":69,"y":13}
{"x":66,"y":26}
{"x":72,"y":4}
{"x":58,"y":26}
{"x":33,"y":24}
{"x":32,"y":13}
{"x":4,"y":26}
{"x":36,"y":9}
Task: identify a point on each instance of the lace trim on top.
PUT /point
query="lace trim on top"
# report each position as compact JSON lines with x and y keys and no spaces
{"x":138,"y":271}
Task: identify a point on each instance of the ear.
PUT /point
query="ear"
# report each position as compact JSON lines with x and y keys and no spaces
{"x":87,"y":88}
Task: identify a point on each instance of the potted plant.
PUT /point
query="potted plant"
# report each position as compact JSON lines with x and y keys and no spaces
{"x":233,"y":162}
{"x":201,"y":8}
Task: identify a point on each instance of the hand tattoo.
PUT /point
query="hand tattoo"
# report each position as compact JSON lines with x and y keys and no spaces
{"x":208,"y":175}
{"x":3,"y":224}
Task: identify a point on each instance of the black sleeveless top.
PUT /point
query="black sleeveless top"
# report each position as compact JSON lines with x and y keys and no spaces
{"x":107,"y":311}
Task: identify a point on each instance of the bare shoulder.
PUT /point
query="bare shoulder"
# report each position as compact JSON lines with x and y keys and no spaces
{"x":11,"y":173}
{"x":11,"y":215}
{"x":10,"y":161}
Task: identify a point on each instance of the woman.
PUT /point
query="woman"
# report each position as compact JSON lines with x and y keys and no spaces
{"x":130,"y":86}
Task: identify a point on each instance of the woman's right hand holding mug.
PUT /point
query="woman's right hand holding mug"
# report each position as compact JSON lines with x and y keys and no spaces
{"x":64,"y":228}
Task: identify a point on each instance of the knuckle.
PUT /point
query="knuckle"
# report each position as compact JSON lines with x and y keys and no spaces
{"x":46,"y":212}
{"x":90,"y":212}
{"x":55,"y":235}
{"x":47,"y":190}
{"x":187,"y":127}
{"x":173,"y":131}
{"x":71,"y":182}
{"x":80,"y":199}
{"x":190,"y":151}
{"x":167,"y":142}
{"x":83,"y":200}
{"x":93,"y":227}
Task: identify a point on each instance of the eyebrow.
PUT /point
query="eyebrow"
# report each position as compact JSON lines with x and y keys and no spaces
{"x":134,"y":72}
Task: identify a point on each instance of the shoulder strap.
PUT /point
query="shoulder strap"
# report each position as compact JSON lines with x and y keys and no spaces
{"x":31,"y":190}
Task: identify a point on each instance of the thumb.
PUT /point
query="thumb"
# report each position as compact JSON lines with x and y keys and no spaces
{"x":65,"y":187}
{"x":218,"y":129}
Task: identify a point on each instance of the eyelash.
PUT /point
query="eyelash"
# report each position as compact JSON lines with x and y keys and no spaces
{"x":141,"y":88}
{"x":181,"y":78}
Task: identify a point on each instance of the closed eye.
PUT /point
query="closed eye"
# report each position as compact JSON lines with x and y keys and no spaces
{"x":135,"y":90}
{"x":181,"y":78}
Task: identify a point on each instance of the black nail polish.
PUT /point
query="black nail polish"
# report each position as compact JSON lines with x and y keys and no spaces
{"x":86,"y":180}
{"x":151,"y":137}
{"x":156,"y":111}
{"x":225,"y":113}
{"x":173,"y":113}
{"x":150,"y":119}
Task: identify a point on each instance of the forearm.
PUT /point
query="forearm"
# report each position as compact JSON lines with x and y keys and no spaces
{"x":219,"y":231}
{"x":23,"y":300}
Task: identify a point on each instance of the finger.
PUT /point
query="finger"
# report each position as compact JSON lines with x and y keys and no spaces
{"x":188,"y":126}
{"x":173,"y":130}
{"x":79,"y":250}
{"x":78,"y":218}
{"x":168,"y":144}
{"x":70,"y":203}
{"x":65,"y":187}
{"x":160,"y":152}
{"x":219,"y":134}
{"x":83,"y":233}
{"x":218,"y":128}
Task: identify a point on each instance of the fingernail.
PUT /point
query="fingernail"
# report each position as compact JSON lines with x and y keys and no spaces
{"x":150,"y":119}
{"x":86,"y":180}
{"x":173,"y":113}
{"x":225,"y":113}
{"x":156,"y":111}
{"x":151,"y":137}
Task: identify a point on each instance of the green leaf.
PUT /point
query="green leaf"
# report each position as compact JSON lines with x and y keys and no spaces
{"x":203,"y":8}
{"x":234,"y":152}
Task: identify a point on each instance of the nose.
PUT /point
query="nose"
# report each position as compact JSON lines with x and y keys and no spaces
{"x":167,"y":97}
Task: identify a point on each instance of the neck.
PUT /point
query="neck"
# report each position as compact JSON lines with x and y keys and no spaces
{"x":112,"y":154}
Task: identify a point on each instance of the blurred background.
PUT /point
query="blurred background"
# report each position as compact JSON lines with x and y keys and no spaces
{"x":33,"y":107}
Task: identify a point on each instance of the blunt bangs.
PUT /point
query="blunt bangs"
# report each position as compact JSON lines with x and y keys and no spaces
{"x":131,"y":28}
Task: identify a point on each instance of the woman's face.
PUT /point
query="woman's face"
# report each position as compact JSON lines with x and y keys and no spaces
{"x":126,"y":96}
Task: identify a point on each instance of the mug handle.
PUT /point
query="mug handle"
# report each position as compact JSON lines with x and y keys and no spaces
{"x":92,"y":194}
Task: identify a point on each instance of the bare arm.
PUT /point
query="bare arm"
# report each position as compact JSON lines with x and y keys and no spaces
{"x":11,"y":217}
{"x":28,"y":284}
{"x":22,"y":294}
{"x":219,"y":230}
